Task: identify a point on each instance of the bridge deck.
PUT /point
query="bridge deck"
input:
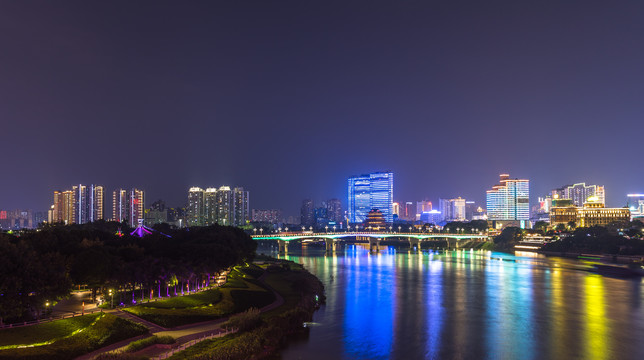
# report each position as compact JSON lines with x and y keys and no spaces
{"x":380,"y":235}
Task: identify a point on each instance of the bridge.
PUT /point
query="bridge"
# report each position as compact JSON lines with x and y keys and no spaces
{"x":332,"y":238}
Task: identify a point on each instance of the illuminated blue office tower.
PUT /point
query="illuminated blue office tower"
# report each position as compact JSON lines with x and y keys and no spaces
{"x":371,"y":191}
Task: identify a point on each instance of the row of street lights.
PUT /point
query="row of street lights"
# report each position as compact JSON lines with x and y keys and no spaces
{"x":377,"y":228}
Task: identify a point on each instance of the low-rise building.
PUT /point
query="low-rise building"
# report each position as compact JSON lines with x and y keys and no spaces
{"x":593,"y":213}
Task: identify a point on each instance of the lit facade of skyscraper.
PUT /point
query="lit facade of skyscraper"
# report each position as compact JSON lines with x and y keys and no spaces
{"x":128,"y":206}
{"x":509,"y":200}
{"x":370,"y":191}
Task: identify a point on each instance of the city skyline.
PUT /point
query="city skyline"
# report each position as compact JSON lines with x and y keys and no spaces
{"x":458,"y":94}
{"x":620,"y":201}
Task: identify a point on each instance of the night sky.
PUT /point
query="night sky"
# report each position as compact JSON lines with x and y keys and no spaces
{"x":289,"y":98}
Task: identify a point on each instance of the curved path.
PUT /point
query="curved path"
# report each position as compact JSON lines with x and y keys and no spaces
{"x":182,"y":334}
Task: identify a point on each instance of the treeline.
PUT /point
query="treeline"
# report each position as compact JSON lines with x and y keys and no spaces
{"x":41,"y":266}
{"x":597,"y":240}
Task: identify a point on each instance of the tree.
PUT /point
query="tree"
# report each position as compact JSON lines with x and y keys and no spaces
{"x":509,"y":235}
{"x":541,"y":226}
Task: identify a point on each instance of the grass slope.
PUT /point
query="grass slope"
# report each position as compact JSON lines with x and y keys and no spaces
{"x":242,"y":291}
{"x":107,"y":329}
{"x":44,"y":332}
{"x":298,"y":287}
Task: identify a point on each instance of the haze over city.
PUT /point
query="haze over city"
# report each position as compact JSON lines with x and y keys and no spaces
{"x":289,"y":99}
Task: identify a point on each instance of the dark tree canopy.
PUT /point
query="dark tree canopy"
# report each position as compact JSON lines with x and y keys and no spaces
{"x":41,"y":266}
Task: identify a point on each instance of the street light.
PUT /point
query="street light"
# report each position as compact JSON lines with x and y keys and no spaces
{"x":111,"y":299}
{"x":261,"y":231}
{"x":333,"y":228}
{"x":326,"y":228}
{"x":255,"y":231}
{"x":303,"y":227}
{"x":399,"y":227}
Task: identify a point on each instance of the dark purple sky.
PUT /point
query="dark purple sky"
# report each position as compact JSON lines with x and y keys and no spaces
{"x":290,"y":98}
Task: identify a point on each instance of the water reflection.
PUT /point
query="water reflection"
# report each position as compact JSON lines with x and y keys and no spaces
{"x":465,"y":304}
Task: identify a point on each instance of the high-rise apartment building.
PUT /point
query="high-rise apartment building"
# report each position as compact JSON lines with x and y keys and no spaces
{"x":81,"y":204}
{"x":423,"y":206}
{"x":408,"y":212}
{"x":273,"y":216}
{"x":509,"y":200}
{"x":128,"y":206}
{"x":224,"y":209}
{"x":579,"y":193}
{"x":307,"y":213}
{"x":241,"y":211}
{"x":453,"y":209}
{"x":209,"y":207}
{"x":334,"y":211}
{"x":223,"y":206}
{"x":195,"y":210}
{"x":396,"y":209}
{"x":370,"y":191}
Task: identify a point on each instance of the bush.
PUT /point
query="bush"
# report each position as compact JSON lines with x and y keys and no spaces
{"x":245,"y":321}
{"x":246,"y":299}
{"x":143,"y":343}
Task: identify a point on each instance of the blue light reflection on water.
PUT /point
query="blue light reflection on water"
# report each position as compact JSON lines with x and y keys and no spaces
{"x":467,"y":304}
{"x":434,"y":296}
{"x":369,"y":305}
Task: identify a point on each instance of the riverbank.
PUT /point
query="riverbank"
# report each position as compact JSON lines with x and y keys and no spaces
{"x":263,"y":335}
{"x":620,"y":259}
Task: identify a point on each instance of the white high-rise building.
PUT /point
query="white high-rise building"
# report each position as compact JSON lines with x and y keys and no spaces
{"x":453,"y":209}
{"x":509,"y":200}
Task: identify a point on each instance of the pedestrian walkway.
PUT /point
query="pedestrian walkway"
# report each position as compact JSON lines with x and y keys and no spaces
{"x":186,"y":334}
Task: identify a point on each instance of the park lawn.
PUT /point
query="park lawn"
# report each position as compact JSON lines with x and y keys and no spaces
{"x":276,"y":323}
{"x":241,"y":292}
{"x":107,"y":329}
{"x":34,"y":334}
{"x":282,"y":282}
{"x":204,"y":298}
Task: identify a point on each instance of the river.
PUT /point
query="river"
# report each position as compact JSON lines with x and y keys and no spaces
{"x":404,"y":304}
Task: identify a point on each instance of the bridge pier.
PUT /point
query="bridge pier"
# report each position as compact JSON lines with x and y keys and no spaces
{"x":331,"y":245}
{"x":283,"y":246}
{"x":414,"y":242}
{"x":449,"y":243}
{"x":374,"y":242}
